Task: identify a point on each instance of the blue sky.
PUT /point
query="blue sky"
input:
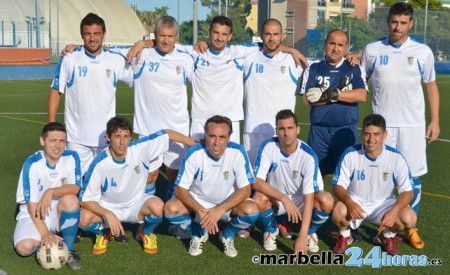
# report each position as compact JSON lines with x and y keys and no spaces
{"x":186,"y":8}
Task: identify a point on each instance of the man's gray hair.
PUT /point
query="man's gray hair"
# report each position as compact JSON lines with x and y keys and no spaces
{"x":167,"y":21}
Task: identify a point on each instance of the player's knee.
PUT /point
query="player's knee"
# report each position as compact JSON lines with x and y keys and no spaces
{"x":26,"y":247}
{"x":155,"y":206}
{"x":262,"y":201}
{"x":86,"y":218}
{"x":323,"y":201}
{"x":408,"y":217}
{"x":339,"y":212}
{"x":172,"y":207}
{"x":248,"y":208}
{"x":69,"y":203}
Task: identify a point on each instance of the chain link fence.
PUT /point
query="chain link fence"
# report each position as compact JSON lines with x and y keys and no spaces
{"x":436,"y":34}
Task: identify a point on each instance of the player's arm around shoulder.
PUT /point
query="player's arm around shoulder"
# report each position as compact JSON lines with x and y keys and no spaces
{"x":299,"y":58}
{"x":178,"y":137}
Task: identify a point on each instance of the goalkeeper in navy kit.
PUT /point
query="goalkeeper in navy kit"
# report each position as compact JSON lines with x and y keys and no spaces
{"x":333,"y":88}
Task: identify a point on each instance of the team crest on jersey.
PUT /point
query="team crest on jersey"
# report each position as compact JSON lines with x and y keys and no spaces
{"x":226,"y":175}
{"x":410,"y":60}
{"x":178,"y":69}
{"x":385,"y":176}
{"x":108,"y":73}
{"x":283,"y":69}
{"x":137,"y":169}
{"x":64,"y":181}
{"x":295,"y":174}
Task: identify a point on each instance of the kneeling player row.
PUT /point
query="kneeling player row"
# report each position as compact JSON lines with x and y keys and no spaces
{"x":214,"y":184}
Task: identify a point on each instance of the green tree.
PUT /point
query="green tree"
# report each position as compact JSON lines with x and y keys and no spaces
{"x":438,"y":28}
{"x":186,"y":33}
{"x":148,"y":18}
{"x":359,"y":31}
{"x":432,"y":4}
{"x":238,"y":10}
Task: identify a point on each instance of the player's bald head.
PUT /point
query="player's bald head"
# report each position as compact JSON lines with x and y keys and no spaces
{"x":271,"y":22}
{"x":336,"y":32}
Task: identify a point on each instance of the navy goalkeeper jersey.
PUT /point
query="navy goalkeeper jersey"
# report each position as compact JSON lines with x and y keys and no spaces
{"x":321,"y":74}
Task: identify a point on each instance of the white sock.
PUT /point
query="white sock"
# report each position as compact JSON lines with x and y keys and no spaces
{"x":345,"y":233}
{"x":388,"y":234}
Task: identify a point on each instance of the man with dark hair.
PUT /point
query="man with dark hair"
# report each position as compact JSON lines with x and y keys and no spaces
{"x":47,"y":196}
{"x":113,"y":191}
{"x":397,"y":65}
{"x":333,"y":88}
{"x":88,"y":76}
{"x":288,"y":181}
{"x":214,"y":184}
{"x":364,"y":185}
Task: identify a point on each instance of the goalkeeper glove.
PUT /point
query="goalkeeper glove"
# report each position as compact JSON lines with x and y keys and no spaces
{"x":343,"y":86}
{"x":319,"y":95}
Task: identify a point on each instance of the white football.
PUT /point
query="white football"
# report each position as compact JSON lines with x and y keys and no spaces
{"x":54,"y":257}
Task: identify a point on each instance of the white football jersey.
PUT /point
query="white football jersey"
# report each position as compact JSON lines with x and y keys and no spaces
{"x":396,"y":73}
{"x":296,"y":174}
{"x":217,"y":85}
{"x":37,"y":176}
{"x":214,"y":180}
{"x":90,"y":83}
{"x":160,"y":91}
{"x":270,"y":84}
{"x":122,"y":183}
{"x":372,"y":180}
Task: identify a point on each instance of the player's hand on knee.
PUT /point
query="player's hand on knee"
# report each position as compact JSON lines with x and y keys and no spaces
{"x":292,"y":210}
{"x":389,"y":218}
{"x":355,"y":211}
{"x":210,"y":219}
{"x":115,"y":225}
{"x":44,"y":206}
